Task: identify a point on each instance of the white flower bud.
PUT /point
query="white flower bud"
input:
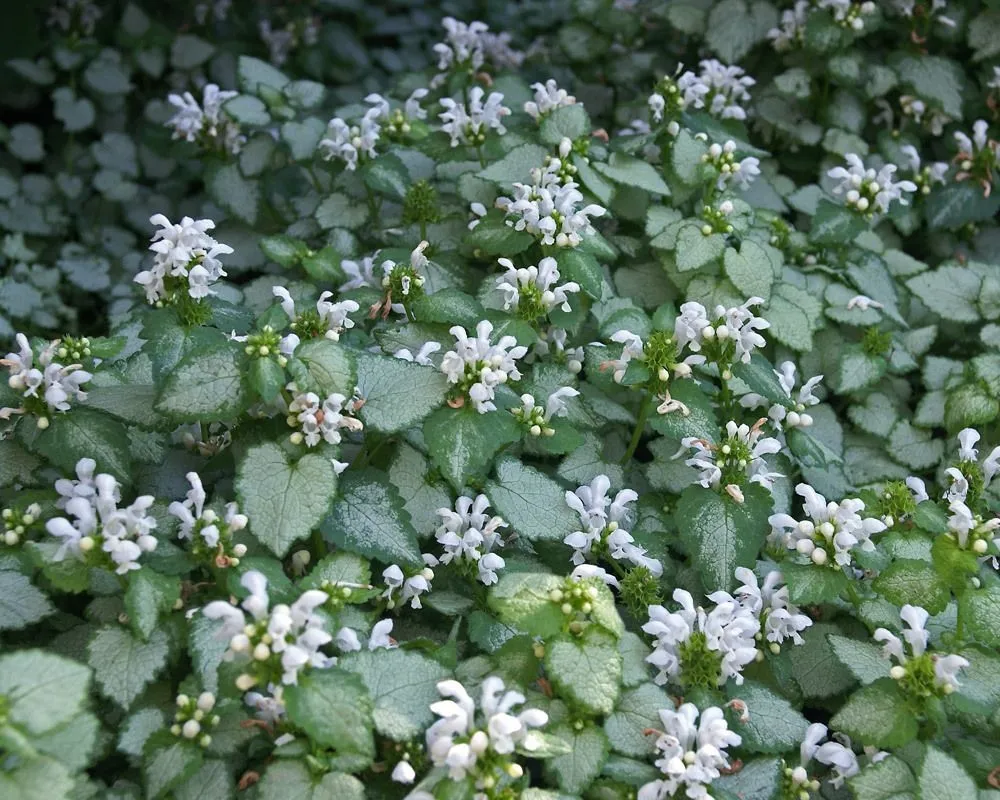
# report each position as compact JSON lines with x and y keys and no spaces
{"x":980,"y":546}
{"x":43,"y":423}
{"x":799,"y":775}
{"x":793,"y":419}
{"x":261,"y":652}
{"x":239,"y":550}
{"x":191,"y":729}
{"x":87,"y":544}
{"x":479,"y":742}
{"x":819,"y":556}
{"x":245,"y":682}
{"x":805,"y":420}
{"x":805,"y":546}
{"x":897,"y":672}
{"x":240,"y":643}
{"x":206,"y":701}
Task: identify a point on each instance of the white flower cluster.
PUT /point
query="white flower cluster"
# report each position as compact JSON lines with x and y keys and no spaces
{"x":848,"y":13}
{"x":469,"y":535}
{"x":470,"y":124}
{"x":92,"y":502}
{"x":47,"y":387}
{"x":692,"y":752}
{"x":469,"y":46}
{"x":536,"y":418}
{"x":70,"y":15}
{"x":719,"y":88}
{"x":350,"y":142}
{"x":184,"y":254}
{"x":728,"y":630}
{"x":836,"y":528}
{"x":293,"y":633}
{"x":536,"y":285}
{"x":320,"y":419}
{"x":694,"y":329}
{"x":722,"y":158}
{"x":549,"y":207}
{"x":548,"y":97}
{"x":908,"y":8}
{"x":359,"y":273}
{"x":196,"y":520}
{"x":282,"y":41}
{"x":924,"y":177}
{"x":792,"y":27}
{"x":866,"y":190}
{"x":836,"y":754}
{"x":553,"y":342}
{"x":946,"y":667}
{"x":602,"y":526}
{"x":779,"y":619}
{"x":460,"y":739}
{"x":207,"y":122}
{"x":477,"y":367}
{"x":793,"y":414}
{"x":739,"y":457}
{"x":411,"y":586}
{"x":332,"y":316}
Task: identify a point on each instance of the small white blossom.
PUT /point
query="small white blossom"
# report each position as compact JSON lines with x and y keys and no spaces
{"x":728,"y":629}
{"x":907,"y":7}
{"x":47,"y":387}
{"x":182,"y":251}
{"x":469,"y":125}
{"x":536,"y":418}
{"x":792,"y":28}
{"x":478,"y":366}
{"x":779,"y":619}
{"x":360,"y":273}
{"x":720,"y":89}
{"x":423,"y":355}
{"x":946,"y":667}
{"x":722,"y":158}
{"x":548,"y":97}
{"x":737,"y":324}
{"x":740,"y":456}
{"x":538,"y":285}
{"x":410,"y":587}
{"x":70,"y":15}
{"x":792,"y":414}
{"x":196,"y":519}
{"x":691,"y":752}
{"x":835,"y":754}
{"x":349,"y":143}
{"x":320,"y":419}
{"x":868,"y":190}
{"x":970,"y":530}
{"x":469,"y":46}
{"x":632,"y":348}
{"x":847,"y":13}
{"x":207,"y":122}
{"x":553,"y":341}
{"x":333,"y":316}
{"x":469,"y":534}
{"x":918,"y":489}
{"x":925,"y":177}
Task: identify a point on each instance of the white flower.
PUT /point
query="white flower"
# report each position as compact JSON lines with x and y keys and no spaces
{"x":480,"y":365}
{"x":793,"y":25}
{"x":320,"y":420}
{"x":631,"y":348}
{"x":403,"y":773}
{"x":693,"y":328}
{"x":549,"y":208}
{"x":553,"y":341}
{"x":536,"y":418}
{"x":863,"y":303}
{"x":423,"y":356}
{"x":333,"y":316}
{"x":691,"y":753}
{"x":928,"y":175}
{"x":460,"y":737}
{"x":548,"y":97}
{"x":269,"y":709}
{"x":360,"y":273}
{"x":779,"y":619}
{"x":349,"y":142}
{"x":468,"y":46}
{"x":958,"y":486}
{"x":183,"y":250}
{"x":469,"y":125}
{"x":946,"y":668}
{"x":721,"y":89}
{"x":729,"y":629}
{"x":538,"y":285}
{"x":867,"y":190}
{"x":410,"y":588}
{"x":583,"y":571}
{"x":790,"y":415}
{"x":836,"y":527}
{"x":743,"y":450}
{"x":835,"y":754}
{"x":730,"y":169}
{"x":46,"y":388}
{"x":470,"y":534}
{"x":193,"y":516}
{"x":84,"y":486}
{"x":206,"y":121}
{"x":963,"y":524}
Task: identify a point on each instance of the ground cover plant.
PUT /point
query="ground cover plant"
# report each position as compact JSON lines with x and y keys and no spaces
{"x":476,"y":401}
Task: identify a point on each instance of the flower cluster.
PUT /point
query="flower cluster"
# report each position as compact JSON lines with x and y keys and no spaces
{"x":276,"y":644}
{"x":46,"y":388}
{"x":476,"y":367}
{"x":402,"y":283}
{"x":924,"y":177}
{"x":792,"y":414}
{"x":836,"y":528}
{"x":537,"y":418}
{"x":534,"y":291}
{"x":552,"y":342}
{"x":733,"y":333}
{"x":978,"y":156}
{"x":281,"y":42}
{"x":193,"y":715}
{"x":329,"y":319}
{"x":210,"y":537}
{"x":186,"y":260}
{"x":836,"y":754}
{"x":410,"y":586}
{"x":469,"y":46}
{"x":318,"y":419}
{"x":848,"y":13}
{"x":350,"y":142}
{"x":922,"y":674}
{"x":17,"y":523}
{"x":124,"y":534}
{"x":469,"y":124}
{"x":869,"y":191}
{"x":698,"y":648}
{"x":602,"y":531}
{"x":482,"y":745}
{"x":792,"y":29}
{"x":469,"y":536}
{"x":548,"y":97}
{"x":691,"y":752}
{"x":720,"y":89}
{"x":206,"y":123}
{"x":779,"y":619}
{"x":722,"y":159}
{"x":969,"y":479}
{"x":737,"y":460}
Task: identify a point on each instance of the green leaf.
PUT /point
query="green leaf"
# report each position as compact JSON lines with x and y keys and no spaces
{"x":950,"y":291}
{"x":811,"y":585}
{"x":254,"y":74}
{"x":189,"y":51}
{"x":123,"y":665}
{"x":137,"y":729}
{"x":21,"y":604}
{"x":815,"y":667}
{"x":571,"y":122}
{"x":462,"y":443}
{"x":864,"y":659}
{"x":935,"y":79}
{"x":914,"y":447}
{"x":735,"y":26}
{"x":149,"y":595}
{"x":238,"y":195}
{"x":422,"y":497}
{"x":516,"y":166}
{"x":857,"y":369}
{"x":586,"y":670}
{"x":942,"y":778}
{"x":889,"y":779}
{"x":302,"y":137}
{"x":43,"y":691}
{"x":398,"y":394}
{"x":773,"y":725}
{"x":521,"y":599}
{"x":292,"y":780}
{"x":749,"y":269}
{"x":267,"y":379}
{"x":329,"y":367}
{"x":574,"y":771}
{"x":494,"y":237}
{"x":304,"y":94}
{"x":531,"y":503}
{"x":980,"y":612}
{"x":794,"y":315}
{"x":762,"y":379}
{"x":583,"y":268}
{"x":168,"y":762}
{"x":284,"y":250}
{"x":402,"y":685}
{"x":247,"y":110}
{"x":637,"y":711}
{"x":333,"y":707}
{"x":284,"y":501}
{"x":631,"y":171}
{"x":449,"y":306}
{"x":914,"y":582}
{"x":834,"y":224}
{"x":694,"y":249}
{"x":212,"y":781}
{"x":685,"y":158}
{"x":369,"y":519}
{"x":86,"y":434}
{"x":16,"y":463}
{"x":969,"y":406}
{"x":340,"y":211}
{"x":206,"y":385}
{"x":36,"y":779}
{"x":387,"y":175}
{"x":877,"y":715}
{"x":337,"y":568}
{"x":721,"y":534}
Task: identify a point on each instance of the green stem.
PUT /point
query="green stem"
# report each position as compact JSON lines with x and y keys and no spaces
{"x":640,"y":425}
{"x":423,"y":230}
{"x":319,"y":546}
{"x":852,"y":592}
{"x":479,"y":152}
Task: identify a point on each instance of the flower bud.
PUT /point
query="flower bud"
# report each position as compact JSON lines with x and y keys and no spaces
{"x":191,"y":729}
{"x":980,"y":546}
{"x":245,"y":682}
{"x":261,"y":652}
{"x":479,"y":742}
{"x":239,"y":550}
{"x":819,"y":556}
{"x":87,"y":544}
{"x":897,"y":673}
{"x":206,"y":701}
